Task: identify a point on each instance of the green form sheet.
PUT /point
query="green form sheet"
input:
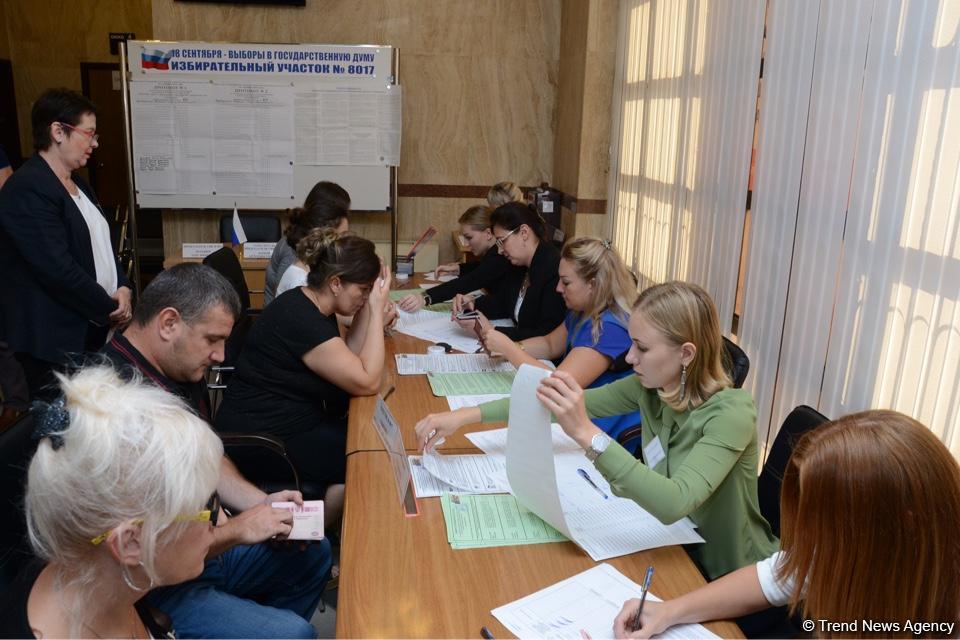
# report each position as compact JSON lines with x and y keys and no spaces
{"x":475,"y":521}
{"x":470,"y":384}
{"x":398,"y":294}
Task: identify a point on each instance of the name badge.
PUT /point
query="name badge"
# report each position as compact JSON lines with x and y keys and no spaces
{"x":653,"y":453}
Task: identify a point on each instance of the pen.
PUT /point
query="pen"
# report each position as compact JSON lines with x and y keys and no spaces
{"x":643,"y":597}
{"x":586,"y":476}
{"x":389,"y":391}
{"x":485,"y":633}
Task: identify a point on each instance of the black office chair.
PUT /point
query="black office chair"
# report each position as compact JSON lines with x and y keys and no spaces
{"x":16,"y":450}
{"x":801,"y":420}
{"x":225,"y":262}
{"x":258,"y":228}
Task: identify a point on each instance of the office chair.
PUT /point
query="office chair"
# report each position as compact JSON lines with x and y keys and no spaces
{"x":801,"y":420}
{"x":258,"y":228}
{"x":16,"y":450}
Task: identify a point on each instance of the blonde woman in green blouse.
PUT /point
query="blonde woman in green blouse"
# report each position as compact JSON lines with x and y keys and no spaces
{"x":699,"y":441}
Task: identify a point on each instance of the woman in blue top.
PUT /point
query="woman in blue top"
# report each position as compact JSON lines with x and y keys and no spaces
{"x":599,"y":292}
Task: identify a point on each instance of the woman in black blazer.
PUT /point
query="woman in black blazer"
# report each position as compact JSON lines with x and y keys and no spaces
{"x":62,"y":287}
{"x":489,"y":272}
{"x":527,"y":295}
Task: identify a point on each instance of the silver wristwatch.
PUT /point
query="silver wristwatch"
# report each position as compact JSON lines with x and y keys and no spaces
{"x":598,"y":444}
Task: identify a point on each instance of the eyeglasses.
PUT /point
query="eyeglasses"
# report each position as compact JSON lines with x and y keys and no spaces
{"x":209,"y":513}
{"x":93,"y":135}
{"x":502,"y":239}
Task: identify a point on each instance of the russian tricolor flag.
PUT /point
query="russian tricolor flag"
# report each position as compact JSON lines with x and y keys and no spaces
{"x":154,"y":59}
{"x":237,"y":234}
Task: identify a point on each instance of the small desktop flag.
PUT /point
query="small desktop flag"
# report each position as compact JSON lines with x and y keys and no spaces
{"x":237,"y":234}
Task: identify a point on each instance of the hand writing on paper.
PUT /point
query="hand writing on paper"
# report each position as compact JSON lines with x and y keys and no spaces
{"x":560,"y":393}
{"x":654,"y":619}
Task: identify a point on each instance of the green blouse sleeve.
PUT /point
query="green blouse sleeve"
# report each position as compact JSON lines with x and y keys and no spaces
{"x":727,"y":430}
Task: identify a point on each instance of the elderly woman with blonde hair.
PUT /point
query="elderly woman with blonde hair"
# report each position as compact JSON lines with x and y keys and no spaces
{"x":120,"y":499}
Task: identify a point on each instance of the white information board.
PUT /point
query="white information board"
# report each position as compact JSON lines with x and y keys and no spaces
{"x":259,"y":124}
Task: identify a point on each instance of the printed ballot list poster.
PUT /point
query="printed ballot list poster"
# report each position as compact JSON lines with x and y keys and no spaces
{"x":205,"y":126}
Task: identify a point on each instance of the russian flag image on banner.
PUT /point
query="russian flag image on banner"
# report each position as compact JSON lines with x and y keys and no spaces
{"x":155,"y":59}
{"x":237,"y":234}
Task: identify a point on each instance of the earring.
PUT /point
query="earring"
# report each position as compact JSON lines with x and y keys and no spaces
{"x":683,"y":381}
{"x":129,"y":580}
{"x":336,"y":293}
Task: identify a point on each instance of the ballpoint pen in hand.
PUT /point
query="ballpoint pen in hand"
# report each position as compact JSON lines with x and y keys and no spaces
{"x":586,"y":476}
{"x":643,"y":598}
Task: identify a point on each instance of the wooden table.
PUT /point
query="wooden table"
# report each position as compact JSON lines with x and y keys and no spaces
{"x":401,"y":579}
{"x":411,"y":400}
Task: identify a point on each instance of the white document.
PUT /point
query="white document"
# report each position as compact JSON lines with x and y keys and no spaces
{"x":459,"y":402}
{"x":472,"y":473}
{"x":551,"y":486}
{"x":425,"y":483}
{"x":432,"y":275}
{"x":406,"y":320}
{"x":495,"y":440}
{"x":442,"y":329}
{"x":418,"y":363}
{"x":587,"y":602}
{"x":200,"y":249}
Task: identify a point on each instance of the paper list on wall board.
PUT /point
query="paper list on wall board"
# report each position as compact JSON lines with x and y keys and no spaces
{"x":338,"y":127}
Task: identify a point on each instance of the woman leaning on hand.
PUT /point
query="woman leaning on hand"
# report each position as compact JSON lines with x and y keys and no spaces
{"x":871,"y":508}
{"x":62,"y":287}
{"x":699,"y":438}
{"x":120,"y":498}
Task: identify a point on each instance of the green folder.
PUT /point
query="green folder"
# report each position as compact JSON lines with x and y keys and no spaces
{"x":478,"y":521}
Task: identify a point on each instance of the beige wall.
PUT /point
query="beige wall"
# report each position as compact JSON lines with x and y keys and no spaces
{"x":479,"y":78}
{"x":582,"y":137}
{"x":49,"y":39}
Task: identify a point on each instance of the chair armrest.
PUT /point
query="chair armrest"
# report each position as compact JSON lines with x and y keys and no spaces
{"x":261,"y":440}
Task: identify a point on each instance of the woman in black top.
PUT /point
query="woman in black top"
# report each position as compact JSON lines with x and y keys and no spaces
{"x":529,"y":295}
{"x":487,"y":273}
{"x":296,"y":374}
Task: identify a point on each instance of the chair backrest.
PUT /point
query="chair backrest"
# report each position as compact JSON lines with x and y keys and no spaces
{"x":801,"y":420}
{"x":258,"y":228}
{"x":736,"y":362}
{"x":16,"y":449}
{"x":225,"y":262}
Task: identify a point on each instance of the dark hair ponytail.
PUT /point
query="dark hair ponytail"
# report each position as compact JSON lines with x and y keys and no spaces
{"x":319,"y":213}
{"x":513,"y":214}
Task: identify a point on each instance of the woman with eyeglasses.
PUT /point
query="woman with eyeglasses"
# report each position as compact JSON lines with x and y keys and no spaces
{"x":529,"y":295}
{"x":120,"y":498}
{"x":62,"y":287}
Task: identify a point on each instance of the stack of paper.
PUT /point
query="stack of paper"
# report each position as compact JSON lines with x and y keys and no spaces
{"x":492,"y":521}
{"x":583,"y":606}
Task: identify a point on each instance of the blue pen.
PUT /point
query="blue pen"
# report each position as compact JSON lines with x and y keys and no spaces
{"x":586,"y":476}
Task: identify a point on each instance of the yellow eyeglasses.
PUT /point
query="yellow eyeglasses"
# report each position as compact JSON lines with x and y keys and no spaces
{"x":209,"y":513}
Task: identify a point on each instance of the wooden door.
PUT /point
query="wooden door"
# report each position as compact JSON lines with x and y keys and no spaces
{"x":108,"y":164}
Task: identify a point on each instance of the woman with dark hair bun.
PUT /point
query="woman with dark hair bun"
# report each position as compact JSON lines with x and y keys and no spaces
{"x":529,"y":294}
{"x":296,"y":373}
{"x":62,"y":287}
{"x":327,"y":205}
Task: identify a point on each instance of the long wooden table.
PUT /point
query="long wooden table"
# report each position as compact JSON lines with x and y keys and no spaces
{"x":399,"y":576}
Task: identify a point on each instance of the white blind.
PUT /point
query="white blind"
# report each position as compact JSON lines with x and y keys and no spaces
{"x":852,"y":286}
{"x":683,"y":123}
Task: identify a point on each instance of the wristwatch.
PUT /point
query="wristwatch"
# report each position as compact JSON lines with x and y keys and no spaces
{"x":598,"y":444}
{"x":426,"y":299}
